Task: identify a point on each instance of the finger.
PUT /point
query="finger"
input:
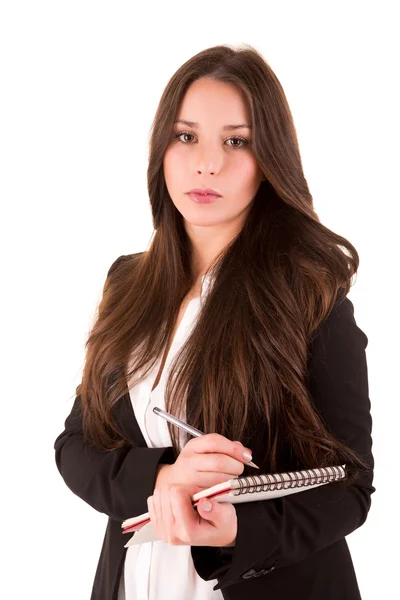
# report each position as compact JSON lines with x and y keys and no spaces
{"x":151,"y":510}
{"x":186,"y":517}
{"x":168,"y":518}
{"x":165,"y":500}
{"x":158,"y":506}
{"x":222,"y":518}
{"x":156,"y":515}
{"x":220,"y":463}
{"x":214,"y":442}
{"x":159,"y":525}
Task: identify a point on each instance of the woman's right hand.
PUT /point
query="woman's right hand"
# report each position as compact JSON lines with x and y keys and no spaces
{"x":203,"y":462}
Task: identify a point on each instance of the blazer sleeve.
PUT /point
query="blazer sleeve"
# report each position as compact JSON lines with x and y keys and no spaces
{"x":116,"y":483}
{"x":281,"y":531}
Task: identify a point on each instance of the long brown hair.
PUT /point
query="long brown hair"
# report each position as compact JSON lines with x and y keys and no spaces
{"x":273,"y":286}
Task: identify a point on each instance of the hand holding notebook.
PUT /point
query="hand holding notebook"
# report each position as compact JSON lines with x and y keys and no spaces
{"x":244,"y":489}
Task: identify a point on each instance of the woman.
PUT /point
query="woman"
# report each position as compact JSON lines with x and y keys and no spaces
{"x":235,"y":319}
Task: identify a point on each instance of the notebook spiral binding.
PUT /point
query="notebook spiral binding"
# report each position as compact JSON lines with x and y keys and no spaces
{"x":270,"y":482}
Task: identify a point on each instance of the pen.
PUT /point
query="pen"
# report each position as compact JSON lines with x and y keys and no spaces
{"x":182,"y":425}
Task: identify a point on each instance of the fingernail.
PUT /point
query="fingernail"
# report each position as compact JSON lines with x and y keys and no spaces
{"x":247,"y":456}
{"x":206,"y":506}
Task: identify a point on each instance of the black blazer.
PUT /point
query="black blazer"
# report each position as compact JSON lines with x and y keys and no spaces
{"x":286,"y":548}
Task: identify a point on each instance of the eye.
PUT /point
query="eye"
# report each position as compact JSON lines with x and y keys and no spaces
{"x":180,"y":133}
{"x":243,"y":141}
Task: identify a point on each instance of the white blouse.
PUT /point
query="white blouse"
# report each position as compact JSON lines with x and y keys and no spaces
{"x":157,"y":570}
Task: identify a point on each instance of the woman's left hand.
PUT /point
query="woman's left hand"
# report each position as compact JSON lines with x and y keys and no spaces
{"x":177,"y":522}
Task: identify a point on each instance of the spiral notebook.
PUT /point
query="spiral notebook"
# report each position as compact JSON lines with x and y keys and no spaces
{"x":248,"y":488}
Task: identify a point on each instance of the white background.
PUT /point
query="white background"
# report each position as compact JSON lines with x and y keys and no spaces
{"x":80,"y":82}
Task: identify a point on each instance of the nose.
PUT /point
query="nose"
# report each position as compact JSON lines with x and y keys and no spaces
{"x":210,"y":171}
{"x":207,"y":166}
{"x":209,"y":160}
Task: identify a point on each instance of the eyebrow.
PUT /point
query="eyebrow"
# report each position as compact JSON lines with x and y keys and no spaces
{"x":225,"y":127}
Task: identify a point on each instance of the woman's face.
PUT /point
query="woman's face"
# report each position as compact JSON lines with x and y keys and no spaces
{"x":209,"y":156}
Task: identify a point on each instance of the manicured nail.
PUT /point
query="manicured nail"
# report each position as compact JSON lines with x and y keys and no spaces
{"x":206,"y":505}
{"x":247,"y":456}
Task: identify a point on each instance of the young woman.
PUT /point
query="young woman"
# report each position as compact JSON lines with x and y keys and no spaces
{"x":237,"y":320}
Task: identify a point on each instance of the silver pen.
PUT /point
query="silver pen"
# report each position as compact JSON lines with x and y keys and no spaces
{"x":182,"y":425}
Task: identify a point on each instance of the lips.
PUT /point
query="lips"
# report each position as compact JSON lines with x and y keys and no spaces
{"x":203,"y":198}
{"x":205,"y":192}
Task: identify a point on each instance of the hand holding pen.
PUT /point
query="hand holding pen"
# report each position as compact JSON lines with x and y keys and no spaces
{"x":204,"y":461}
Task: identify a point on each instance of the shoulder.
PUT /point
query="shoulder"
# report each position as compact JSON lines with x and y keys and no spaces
{"x":123,"y":259}
{"x":339,"y":323}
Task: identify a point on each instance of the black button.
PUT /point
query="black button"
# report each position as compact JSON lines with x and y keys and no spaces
{"x":253,"y":573}
{"x":248,"y":574}
{"x":270,"y":569}
{"x":256,"y":573}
